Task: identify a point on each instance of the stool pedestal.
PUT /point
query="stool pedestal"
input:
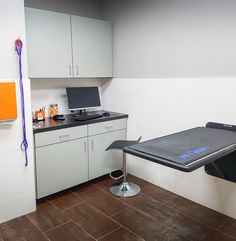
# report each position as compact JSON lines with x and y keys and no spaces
{"x":127,"y":189}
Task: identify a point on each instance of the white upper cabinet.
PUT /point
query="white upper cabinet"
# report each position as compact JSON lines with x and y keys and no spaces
{"x":92,"y":47}
{"x":62,"y":46}
{"x":48,"y":44}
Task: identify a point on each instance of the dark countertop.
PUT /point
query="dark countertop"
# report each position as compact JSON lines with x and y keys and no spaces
{"x":49,"y":124}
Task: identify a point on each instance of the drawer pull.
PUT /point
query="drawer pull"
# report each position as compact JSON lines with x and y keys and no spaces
{"x":64,"y":137}
{"x":108,"y":127}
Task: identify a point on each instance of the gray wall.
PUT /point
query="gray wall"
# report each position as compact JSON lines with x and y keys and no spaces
{"x":169,"y":38}
{"x":85,"y":8}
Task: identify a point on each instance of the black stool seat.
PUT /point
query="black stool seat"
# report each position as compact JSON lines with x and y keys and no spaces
{"x":125,"y":189}
{"x":121,"y":144}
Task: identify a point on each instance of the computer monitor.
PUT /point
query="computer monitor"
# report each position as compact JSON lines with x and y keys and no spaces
{"x":80,"y":98}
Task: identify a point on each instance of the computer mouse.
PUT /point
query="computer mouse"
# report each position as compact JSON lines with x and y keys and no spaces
{"x":106,"y":114}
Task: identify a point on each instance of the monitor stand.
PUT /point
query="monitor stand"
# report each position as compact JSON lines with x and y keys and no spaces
{"x":79,"y":112}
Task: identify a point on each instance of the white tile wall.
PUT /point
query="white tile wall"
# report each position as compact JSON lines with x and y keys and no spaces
{"x":160,"y":106}
{"x":52,"y":91}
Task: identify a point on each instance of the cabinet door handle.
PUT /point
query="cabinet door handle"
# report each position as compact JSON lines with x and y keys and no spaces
{"x":70,"y":70}
{"x":77,"y":70}
{"x":85,"y":146}
{"x":92,"y":144}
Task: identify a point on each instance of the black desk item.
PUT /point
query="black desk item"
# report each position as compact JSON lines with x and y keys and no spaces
{"x":87,"y":117}
{"x":187,"y":150}
{"x":58,"y":117}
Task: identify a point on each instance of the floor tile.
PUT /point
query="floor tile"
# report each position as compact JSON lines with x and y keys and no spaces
{"x":229,"y":227}
{"x":150,"y":207}
{"x":103,"y":201}
{"x":82,"y":188}
{"x":153,"y":191}
{"x":66,"y":200}
{"x":197,"y":211}
{"x":20,"y":229}
{"x":47,"y":216}
{"x":193,"y":230}
{"x":91,"y":219}
{"x":145,"y":227}
{"x":68,"y":232}
{"x":105,"y":184}
{"x":156,"y":214}
{"x":121,"y":234}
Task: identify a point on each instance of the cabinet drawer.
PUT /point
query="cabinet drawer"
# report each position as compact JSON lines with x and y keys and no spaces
{"x":66,"y":134}
{"x":108,"y":126}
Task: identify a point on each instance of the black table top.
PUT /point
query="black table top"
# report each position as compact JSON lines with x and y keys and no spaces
{"x":187,"y":150}
{"x":49,"y":124}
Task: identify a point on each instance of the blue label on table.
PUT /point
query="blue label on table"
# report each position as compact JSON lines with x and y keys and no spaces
{"x":194,"y":152}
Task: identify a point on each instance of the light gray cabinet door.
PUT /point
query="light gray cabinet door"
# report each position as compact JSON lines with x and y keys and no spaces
{"x":92,"y":47}
{"x":48,"y":44}
{"x":60,"y":166}
{"x":102,"y":162}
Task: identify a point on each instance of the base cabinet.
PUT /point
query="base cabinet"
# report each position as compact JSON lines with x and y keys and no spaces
{"x":102,"y":162}
{"x":60,"y":166}
{"x":70,"y":156}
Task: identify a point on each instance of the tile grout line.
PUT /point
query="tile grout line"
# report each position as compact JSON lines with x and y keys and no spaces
{"x":78,"y":194}
{"x":119,"y":211}
{"x":71,"y":220}
{"x":107,"y":215}
{"x":57,"y":226}
{"x":61,"y":213}
{"x":108,"y":233}
{"x":83,"y":229}
{"x":115,"y":220}
{"x":36,"y":227}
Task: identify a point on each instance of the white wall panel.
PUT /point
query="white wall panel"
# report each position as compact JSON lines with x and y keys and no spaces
{"x":169,"y":38}
{"x":17,"y":189}
{"x":161,"y":106}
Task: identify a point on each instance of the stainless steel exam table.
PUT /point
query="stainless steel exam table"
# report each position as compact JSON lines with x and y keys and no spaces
{"x":190,"y":149}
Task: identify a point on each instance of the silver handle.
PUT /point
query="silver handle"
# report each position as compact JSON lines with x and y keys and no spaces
{"x":64,"y":137}
{"x":92,"y":144}
{"x":85,"y":146}
{"x":70,"y":70}
{"x":108,"y":127}
{"x":77,"y":70}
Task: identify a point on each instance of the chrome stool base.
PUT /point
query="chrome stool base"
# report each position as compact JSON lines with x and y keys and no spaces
{"x":127,"y":189}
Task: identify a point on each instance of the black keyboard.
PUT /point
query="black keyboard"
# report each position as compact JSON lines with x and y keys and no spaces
{"x":87,"y":117}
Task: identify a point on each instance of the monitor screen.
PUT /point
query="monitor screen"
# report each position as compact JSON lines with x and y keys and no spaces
{"x":83,"y":97}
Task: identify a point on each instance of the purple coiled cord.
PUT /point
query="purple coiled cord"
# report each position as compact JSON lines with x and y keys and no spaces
{"x":24,"y":144}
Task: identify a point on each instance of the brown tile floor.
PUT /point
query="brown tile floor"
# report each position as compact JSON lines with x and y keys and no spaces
{"x":89,"y":212}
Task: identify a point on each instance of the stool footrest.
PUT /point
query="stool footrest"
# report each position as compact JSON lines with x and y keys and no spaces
{"x":116,"y":174}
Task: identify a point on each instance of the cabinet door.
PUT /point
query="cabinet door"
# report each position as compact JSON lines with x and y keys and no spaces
{"x":61,"y":166}
{"x":102,"y":162}
{"x":92,"y":47}
{"x":48,"y":44}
